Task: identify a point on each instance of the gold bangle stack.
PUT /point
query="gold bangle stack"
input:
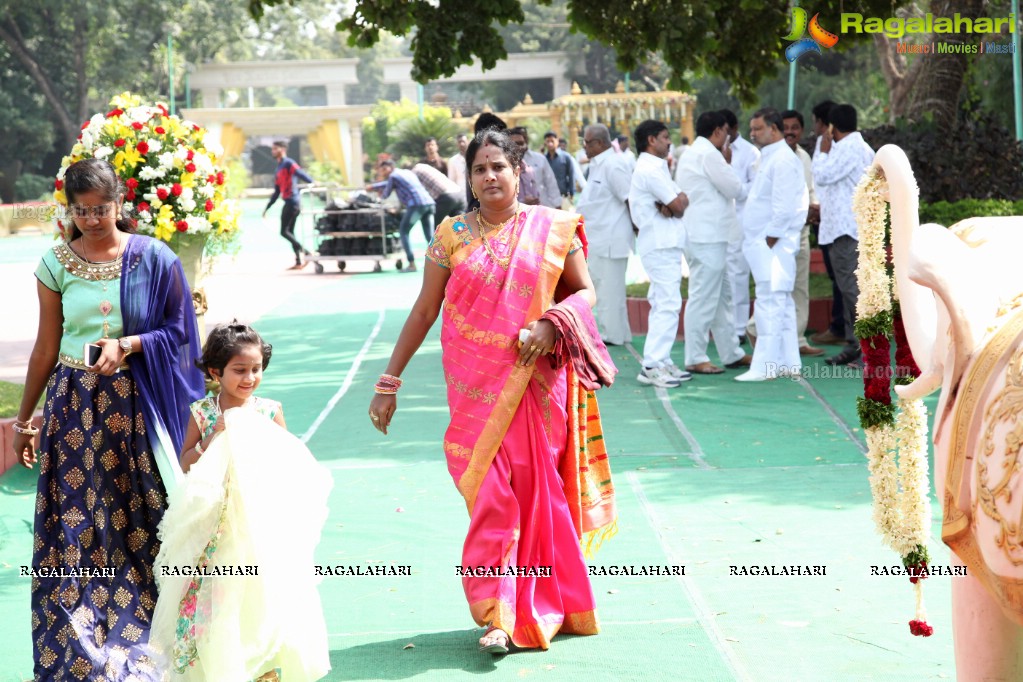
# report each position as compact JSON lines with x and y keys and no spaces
{"x":25,"y":427}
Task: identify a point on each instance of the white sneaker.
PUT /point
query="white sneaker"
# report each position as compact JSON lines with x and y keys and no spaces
{"x":677,"y":372}
{"x":657,"y":376}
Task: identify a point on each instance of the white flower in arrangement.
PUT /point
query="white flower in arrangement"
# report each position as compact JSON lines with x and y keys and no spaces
{"x":198,"y":224}
{"x":145,"y":216}
{"x":150,"y":173}
{"x":63,"y":169}
{"x":215,"y":149}
{"x":203,"y":164}
{"x":154,"y":146}
{"x":181,"y":153}
{"x":138,"y":114}
{"x":206,"y":191}
{"x":166,"y":159}
{"x":187,"y":205}
{"x":100,"y":153}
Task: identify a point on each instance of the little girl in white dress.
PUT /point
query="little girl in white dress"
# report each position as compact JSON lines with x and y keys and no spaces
{"x":238,"y":597}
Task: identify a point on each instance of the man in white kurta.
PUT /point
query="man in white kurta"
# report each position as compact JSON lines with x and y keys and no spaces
{"x":772,"y":221}
{"x":792,"y":128}
{"x":837,"y":168}
{"x":656,"y":206}
{"x":608,"y":230}
{"x":745,"y":158}
{"x":710,"y":224}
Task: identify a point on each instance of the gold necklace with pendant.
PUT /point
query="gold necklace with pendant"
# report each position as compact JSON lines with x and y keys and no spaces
{"x":486,"y":226}
{"x":105,"y":306}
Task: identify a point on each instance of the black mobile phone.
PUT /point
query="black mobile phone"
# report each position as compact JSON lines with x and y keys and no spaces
{"x":91,"y":354}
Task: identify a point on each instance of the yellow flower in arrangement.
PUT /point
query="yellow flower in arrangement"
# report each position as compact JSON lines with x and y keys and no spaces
{"x":175,"y":181}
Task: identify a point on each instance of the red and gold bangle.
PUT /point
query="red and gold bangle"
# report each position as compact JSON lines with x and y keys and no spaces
{"x":387,"y":384}
{"x":25,"y":427}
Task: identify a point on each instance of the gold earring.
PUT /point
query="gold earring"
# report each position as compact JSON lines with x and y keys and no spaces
{"x":473,"y":190}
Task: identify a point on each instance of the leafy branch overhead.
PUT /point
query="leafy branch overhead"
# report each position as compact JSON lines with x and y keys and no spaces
{"x":738,"y":41}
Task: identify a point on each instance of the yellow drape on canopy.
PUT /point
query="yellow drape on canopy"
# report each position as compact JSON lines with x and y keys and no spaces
{"x":232,"y":139}
{"x":325,"y":142}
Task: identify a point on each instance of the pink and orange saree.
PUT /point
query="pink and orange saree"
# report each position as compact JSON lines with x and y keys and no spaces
{"x":524,"y":445}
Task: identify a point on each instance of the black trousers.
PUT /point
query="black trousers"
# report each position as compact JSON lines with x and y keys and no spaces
{"x":289,"y":214}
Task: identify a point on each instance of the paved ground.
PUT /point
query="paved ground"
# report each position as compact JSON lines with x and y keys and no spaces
{"x":711,"y":475}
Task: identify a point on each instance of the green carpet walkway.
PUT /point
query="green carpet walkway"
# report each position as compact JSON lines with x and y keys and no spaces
{"x":710,"y":475}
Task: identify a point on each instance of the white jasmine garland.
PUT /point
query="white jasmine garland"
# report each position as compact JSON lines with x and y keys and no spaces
{"x":900,"y":487}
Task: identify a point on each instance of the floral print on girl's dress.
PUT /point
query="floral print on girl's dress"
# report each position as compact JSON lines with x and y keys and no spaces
{"x":190,"y":623}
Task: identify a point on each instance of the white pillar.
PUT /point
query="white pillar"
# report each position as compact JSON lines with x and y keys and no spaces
{"x":210,"y":98}
{"x":355,"y":176}
{"x":335,"y":95}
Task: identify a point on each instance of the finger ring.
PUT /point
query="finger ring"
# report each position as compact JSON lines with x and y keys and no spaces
{"x":533,"y":348}
{"x":374,"y":417}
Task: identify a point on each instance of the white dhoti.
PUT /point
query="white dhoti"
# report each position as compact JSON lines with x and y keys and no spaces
{"x":774,"y":273}
{"x":709,"y":307}
{"x":608,"y":275}
{"x":664,"y":267}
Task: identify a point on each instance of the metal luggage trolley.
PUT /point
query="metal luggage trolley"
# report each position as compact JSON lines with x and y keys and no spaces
{"x":348,"y":234}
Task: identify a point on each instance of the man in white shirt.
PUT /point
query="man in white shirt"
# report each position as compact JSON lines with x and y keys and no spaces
{"x":547,"y":190}
{"x":772,"y":221}
{"x":456,"y":164}
{"x":744,"y":163}
{"x":710,"y":224}
{"x":656,"y":206}
{"x":603,"y":203}
{"x":837,"y":169}
{"x":792,"y":129}
{"x":623,"y":147}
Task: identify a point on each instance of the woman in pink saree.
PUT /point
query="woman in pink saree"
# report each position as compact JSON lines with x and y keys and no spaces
{"x":521,"y":359}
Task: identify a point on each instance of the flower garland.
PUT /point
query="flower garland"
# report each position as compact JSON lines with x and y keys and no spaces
{"x":900,"y":487}
{"x":172,"y":175}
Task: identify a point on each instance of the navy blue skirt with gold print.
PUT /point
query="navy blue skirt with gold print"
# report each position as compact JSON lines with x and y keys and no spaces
{"x":98,"y":505}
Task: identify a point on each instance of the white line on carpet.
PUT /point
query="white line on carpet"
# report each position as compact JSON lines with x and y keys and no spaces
{"x":704,"y":615}
{"x":662,"y":394}
{"x":834,"y":415}
{"x":349,"y":378}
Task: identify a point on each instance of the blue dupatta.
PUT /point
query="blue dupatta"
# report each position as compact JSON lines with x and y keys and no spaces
{"x":156,"y":306}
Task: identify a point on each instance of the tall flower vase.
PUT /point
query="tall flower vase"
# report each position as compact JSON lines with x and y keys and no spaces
{"x":190,"y":250}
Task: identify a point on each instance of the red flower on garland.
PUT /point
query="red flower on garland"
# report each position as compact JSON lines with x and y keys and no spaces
{"x":114,"y":113}
{"x":876,"y":361}
{"x":159,"y":130}
{"x":119,"y":142}
{"x":920,"y":628}
{"x":131,"y":183}
{"x":190,"y":168}
{"x":137,"y":126}
{"x":130,"y":195}
{"x":182,"y":225}
{"x":176,"y":189}
{"x":143,"y":206}
{"x":143,"y":147}
{"x":162,"y":193}
{"x":905,"y":365}
{"x":58,"y":184}
{"x":209,"y":205}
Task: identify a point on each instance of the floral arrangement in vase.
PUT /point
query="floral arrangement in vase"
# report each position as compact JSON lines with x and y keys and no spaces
{"x":175,"y":181}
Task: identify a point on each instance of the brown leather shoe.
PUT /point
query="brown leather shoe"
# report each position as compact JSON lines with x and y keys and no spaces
{"x":744,"y":361}
{"x":704,"y":368}
{"x":826,"y":338}
{"x":810,"y":350}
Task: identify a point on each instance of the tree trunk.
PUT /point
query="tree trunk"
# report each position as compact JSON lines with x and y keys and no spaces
{"x":940,"y":81}
{"x":11,"y":35}
{"x":932,"y":82}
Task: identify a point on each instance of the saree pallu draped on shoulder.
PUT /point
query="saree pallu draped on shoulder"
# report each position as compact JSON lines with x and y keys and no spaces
{"x":523,"y":569}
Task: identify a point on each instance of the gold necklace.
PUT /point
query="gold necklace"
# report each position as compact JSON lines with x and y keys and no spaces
{"x":486,"y":226}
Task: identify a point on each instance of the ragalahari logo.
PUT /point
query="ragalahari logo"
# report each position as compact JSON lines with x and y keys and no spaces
{"x":818,"y":36}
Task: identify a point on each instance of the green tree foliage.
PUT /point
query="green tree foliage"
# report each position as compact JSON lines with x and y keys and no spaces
{"x":394,"y":128}
{"x":738,"y":41}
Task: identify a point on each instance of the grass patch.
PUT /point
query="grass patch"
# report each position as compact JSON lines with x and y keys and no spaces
{"x":820,"y":287}
{"x":10,"y":399}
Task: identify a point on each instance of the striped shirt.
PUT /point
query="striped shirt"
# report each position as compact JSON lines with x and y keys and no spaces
{"x":410,"y":191}
{"x":436,"y":183}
